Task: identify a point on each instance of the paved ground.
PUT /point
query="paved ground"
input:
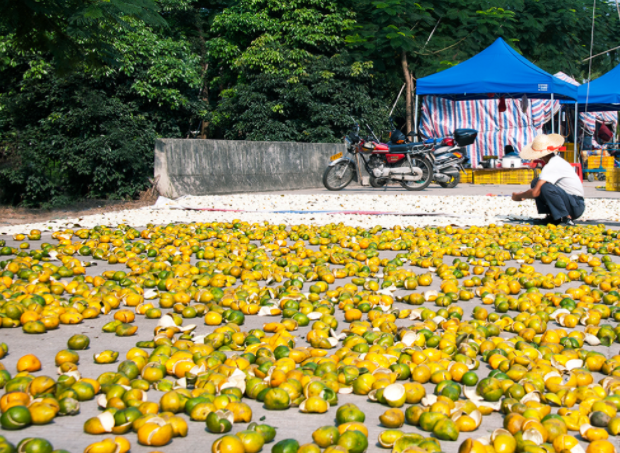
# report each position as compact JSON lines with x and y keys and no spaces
{"x":461,"y":189}
{"x":67,"y":432}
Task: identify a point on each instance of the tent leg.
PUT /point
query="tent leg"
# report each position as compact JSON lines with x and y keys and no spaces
{"x":576,"y":150}
{"x":552,"y":115}
{"x":415,"y":118}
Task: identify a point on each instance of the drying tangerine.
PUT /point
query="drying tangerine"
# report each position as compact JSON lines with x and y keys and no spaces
{"x":29,"y":363}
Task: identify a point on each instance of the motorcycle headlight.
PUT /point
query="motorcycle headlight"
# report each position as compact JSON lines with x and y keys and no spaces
{"x":347,"y":142}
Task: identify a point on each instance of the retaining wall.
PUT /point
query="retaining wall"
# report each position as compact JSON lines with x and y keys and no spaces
{"x":203,"y":167}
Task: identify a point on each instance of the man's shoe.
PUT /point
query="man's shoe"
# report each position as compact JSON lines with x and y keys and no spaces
{"x":567,"y":221}
{"x":546,"y":221}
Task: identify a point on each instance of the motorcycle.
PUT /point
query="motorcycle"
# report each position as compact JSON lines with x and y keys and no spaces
{"x":409,"y":164}
{"x":450,"y":157}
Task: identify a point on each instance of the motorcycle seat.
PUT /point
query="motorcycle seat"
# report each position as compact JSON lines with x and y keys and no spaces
{"x":406,"y":147}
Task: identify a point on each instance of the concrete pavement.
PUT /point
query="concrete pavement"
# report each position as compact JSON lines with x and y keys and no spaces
{"x":67,"y":432}
{"x":462,"y":189}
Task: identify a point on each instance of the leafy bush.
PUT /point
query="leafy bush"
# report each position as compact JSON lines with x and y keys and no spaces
{"x":317,"y":108}
{"x":92,"y":134}
{"x":91,"y":145}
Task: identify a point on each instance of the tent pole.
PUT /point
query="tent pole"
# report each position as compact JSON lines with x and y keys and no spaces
{"x":552,"y":114}
{"x":415,"y":118}
{"x":576,"y":150}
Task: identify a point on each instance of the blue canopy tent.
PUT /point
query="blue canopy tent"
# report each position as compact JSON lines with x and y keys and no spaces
{"x":497,"y":70}
{"x":602,"y":94}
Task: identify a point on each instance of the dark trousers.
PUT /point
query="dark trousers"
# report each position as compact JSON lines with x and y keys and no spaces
{"x":555,"y":201}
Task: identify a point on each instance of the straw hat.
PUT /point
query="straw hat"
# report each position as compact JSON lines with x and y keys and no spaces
{"x":541,"y":146}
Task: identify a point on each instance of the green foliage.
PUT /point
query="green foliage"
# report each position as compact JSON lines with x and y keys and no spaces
{"x":163,"y":69}
{"x":73,"y":31}
{"x":316,"y":108}
{"x":279,"y":36}
{"x":434,"y":35}
{"x":389,"y":26}
{"x":89,"y":145}
{"x":91,"y":134}
{"x":88,"y":85}
{"x":283,"y":75}
{"x":555,"y":34}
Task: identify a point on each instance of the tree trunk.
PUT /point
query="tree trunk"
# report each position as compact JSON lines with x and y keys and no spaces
{"x":203,"y":129}
{"x":203,"y":95}
{"x":204,"y":91}
{"x":408,"y":91}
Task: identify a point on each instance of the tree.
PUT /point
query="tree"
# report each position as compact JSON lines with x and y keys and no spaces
{"x":318,"y":107}
{"x":420,"y":38}
{"x":91,"y":133}
{"x":73,"y":31}
{"x":282,"y":75}
{"x":392,"y":29}
{"x":555,"y":34}
{"x":193,"y":19}
{"x":417,"y":39}
{"x":279,"y":36}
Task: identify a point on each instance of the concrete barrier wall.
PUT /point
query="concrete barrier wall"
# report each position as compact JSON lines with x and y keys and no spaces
{"x":203,"y":167}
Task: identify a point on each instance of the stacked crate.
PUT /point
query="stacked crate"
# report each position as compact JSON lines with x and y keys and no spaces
{"x":612,"y":180}
{"x":569,"y":154}
{"x":467,"y":176}
{"x":605,"y":162}
{"x":519,"y":176}
{"x":487,"y":176}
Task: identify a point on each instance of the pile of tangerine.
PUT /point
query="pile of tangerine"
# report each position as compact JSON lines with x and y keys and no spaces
{"x":347,"y":311}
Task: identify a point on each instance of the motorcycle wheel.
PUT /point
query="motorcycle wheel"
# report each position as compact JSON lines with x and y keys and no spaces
{"x":427,"y":173}
{"x":377,"y":183}
{"x":339,"y":176}
{"x":453,"y":182}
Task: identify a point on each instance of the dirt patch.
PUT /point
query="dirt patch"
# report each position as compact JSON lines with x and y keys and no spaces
{"x":10,"y":215}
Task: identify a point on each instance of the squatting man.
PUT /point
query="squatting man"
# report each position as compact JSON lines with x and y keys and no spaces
{"x":558,"y":191}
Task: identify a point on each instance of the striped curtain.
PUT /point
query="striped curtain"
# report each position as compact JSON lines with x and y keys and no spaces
{"x":588,"y":120}
{"x":440,"y":117}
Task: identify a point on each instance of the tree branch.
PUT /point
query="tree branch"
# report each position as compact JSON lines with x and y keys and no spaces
{"x":445,"y":48}
{"x":432,"y":33}
{"x":599,"y":54}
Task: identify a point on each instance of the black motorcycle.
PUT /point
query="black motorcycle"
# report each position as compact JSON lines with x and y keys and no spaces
{"x":451,"y":158}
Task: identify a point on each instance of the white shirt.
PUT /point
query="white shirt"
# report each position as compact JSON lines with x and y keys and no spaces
{"x":562,"y":174}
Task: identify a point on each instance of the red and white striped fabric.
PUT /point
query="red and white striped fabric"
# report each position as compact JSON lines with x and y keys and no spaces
{"x":589,"y":119}
{"x":440,"y":117}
